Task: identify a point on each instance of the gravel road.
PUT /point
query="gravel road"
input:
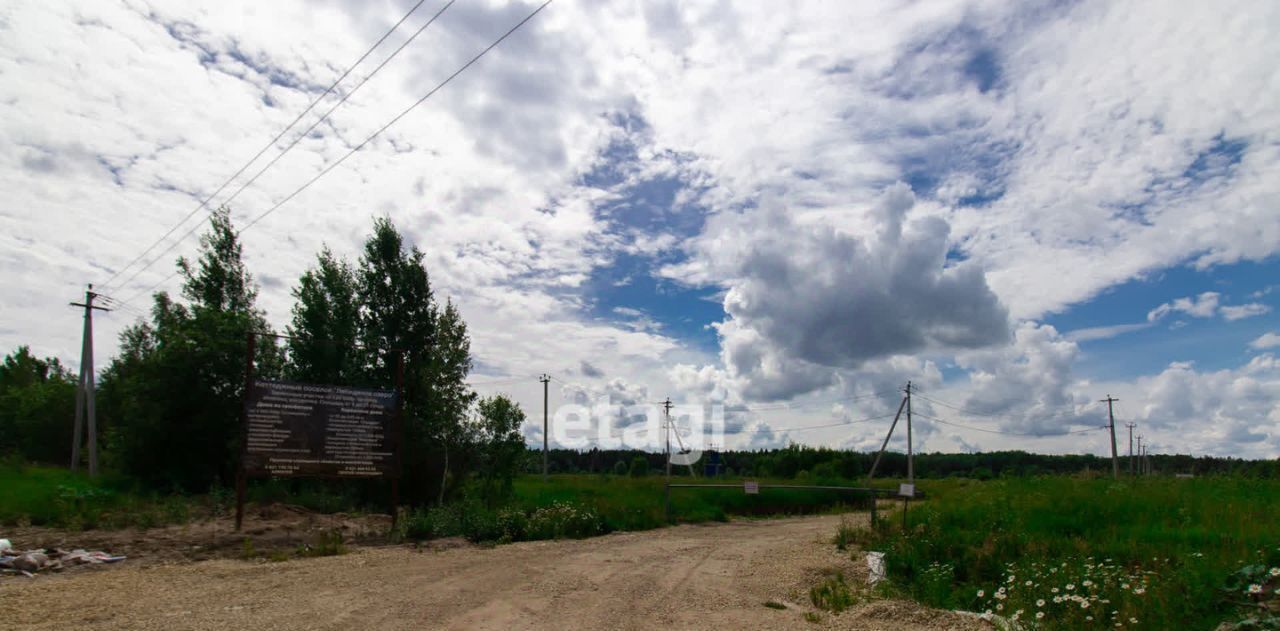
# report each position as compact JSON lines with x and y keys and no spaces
{"x":686,"y":577}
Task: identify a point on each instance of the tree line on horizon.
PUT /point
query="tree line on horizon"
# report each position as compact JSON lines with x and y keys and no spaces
{"x":169,"y":402}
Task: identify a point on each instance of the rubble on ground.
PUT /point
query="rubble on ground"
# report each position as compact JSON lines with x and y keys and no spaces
{"x":30,"y":562}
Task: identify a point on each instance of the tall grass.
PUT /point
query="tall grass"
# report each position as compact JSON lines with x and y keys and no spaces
{"x":627,"y":503}
{"x":1072,"y":553}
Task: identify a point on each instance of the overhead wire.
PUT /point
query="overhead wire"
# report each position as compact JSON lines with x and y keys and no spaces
{"x":367,"y":140}
{"x":259,"y":154}
{"x":935,"y":419}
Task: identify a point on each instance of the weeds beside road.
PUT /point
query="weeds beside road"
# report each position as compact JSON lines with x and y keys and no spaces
{"x":1067,"y":553}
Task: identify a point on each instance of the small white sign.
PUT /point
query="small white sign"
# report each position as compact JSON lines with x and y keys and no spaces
{"x":752,"y":488}
{"x":907,"y":490}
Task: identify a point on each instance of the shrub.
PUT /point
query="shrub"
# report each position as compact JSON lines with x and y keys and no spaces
{"x":639,"y":467}
{"x":562,"y":520}
{"x":832,"y":594}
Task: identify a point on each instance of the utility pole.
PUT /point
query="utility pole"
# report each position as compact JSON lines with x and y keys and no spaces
{"x":1131,"y":426}
{"x":876,"y":465}
{"x":85,"y":389}
{"x":1111,"y":424}
{"x":1139,"y":454}
{"x":545,"y":379}
{"x":911,"y":470}
{"x":666,"y":408}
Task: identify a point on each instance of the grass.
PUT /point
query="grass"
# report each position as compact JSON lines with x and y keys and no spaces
{"x":832,"y":594}
{"x":627,"y":503}
{"x":1066,"y":553}
{"x":48,"y":496}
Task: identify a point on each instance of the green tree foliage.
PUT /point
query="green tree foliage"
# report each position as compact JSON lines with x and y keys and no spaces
{"x":398,"y":314}
{"x":173,"y":395}
{"x":37,"y":407}
{"x":639,"y":467}
{"x":499,"y":445}
{"x":324,"y":333}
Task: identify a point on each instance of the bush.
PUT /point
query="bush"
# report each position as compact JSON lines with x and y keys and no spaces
{"x":564,"y":521}
{"x":832,"y":594}
{"x":619,"y":468}
{"x":639,"y":467}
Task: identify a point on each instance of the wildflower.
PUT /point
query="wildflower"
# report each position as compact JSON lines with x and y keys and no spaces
{"x":1070,"y":587}
{"x":1054,"y":590}
{"x":1255,"y":589}
{"x":1086,"y":582}
{"x":981,"y":593}
{"x":1084,"y":604}
{"x":1028,"y":583}
{"x":1057,"y":599}
{"x":1133,"y":621}
{"x":1122,"y":586}
{"x":999,"y":606}
{"x":1039,"y":615}
{"x":1089,"y":618}
{"x":987,"y":612}
{"x":1275,"y":571}
{"x":1140,"y":591}
{"x":1040,"y":602}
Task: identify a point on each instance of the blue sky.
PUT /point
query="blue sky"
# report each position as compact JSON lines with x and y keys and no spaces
{"x":1020,"y":207}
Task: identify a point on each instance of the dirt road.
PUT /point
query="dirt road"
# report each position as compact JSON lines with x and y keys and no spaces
{"x":697,"y":577}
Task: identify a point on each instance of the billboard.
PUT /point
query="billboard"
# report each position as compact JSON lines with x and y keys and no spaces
{"x":309,"y":430}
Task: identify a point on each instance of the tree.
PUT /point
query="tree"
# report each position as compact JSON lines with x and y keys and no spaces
{"x":398,"y":314}
{"x":639,"y":467}
{"x":173,"y":396}
{"x":499,"y":444}
{"x":37,"y":401}
{"x":323,"y":336}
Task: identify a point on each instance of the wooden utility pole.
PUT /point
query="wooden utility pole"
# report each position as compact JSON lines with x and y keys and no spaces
{"x":85,"y":389}
{"x":1131,"y":426}
{"x":911,"y":469}
{"x":666,"y":408}
{"x":1111,"y":424}
{"x":545,"y":379}
{"x":1139,"y":454}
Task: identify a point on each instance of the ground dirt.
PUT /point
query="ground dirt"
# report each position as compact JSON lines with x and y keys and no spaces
{"x":693,"y":576}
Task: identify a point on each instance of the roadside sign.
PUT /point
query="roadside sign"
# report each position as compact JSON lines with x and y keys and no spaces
{"x":907,"y":490}
{"x":307,"y":430}
{"x":751,"y":487}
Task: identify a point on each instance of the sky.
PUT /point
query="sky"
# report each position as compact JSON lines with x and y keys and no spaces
{"x":787,"y":209}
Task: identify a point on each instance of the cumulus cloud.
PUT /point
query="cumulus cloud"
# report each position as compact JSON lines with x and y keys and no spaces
{"x":1265,"y":341}
{"x":1240,"y":312}
{"x":1029,"y":385}
{"x":1203,"y":306}
{"x":806,"y":300}
{"x":1206,"y":305}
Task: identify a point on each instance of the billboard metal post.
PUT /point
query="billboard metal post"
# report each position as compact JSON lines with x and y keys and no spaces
{"x":244,"y":425}
{"x":399,"y":438}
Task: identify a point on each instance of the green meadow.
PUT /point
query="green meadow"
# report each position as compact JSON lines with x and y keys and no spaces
{"x":1067,"y":553}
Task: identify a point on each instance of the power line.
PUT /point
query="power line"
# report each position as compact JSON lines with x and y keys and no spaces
{"x":261,"y":151}
{"x":393,"y":121}
{"x":371,"y":137}
{"x":997,"y":431}
{"x":986,"y":414}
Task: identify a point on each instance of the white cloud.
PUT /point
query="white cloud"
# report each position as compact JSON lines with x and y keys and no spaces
{"x":1240,"y":312}
{"x":1056,"y":150}
{"x":1203,"y":306}
{"x":1105,"y":332}
{"x":1265,"y":341}
{"x":1206,"y":305}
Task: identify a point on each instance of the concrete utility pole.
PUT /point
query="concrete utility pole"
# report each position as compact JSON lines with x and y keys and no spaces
{"x":911,"y":469}
{"x":1131,"y":426}
{"x":545,"y":379}
{"x":666,"y":408}
{"x":85,"y":389}
{"x":1139,"y":454}
{"x":1115,"y":459}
